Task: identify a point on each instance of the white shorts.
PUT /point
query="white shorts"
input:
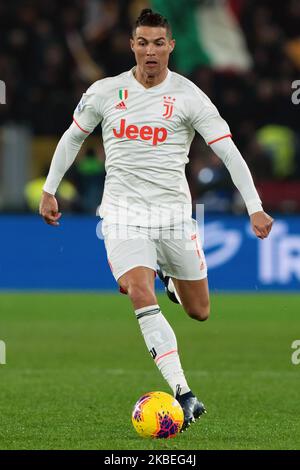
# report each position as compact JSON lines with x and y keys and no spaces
{"x":177,"y":250}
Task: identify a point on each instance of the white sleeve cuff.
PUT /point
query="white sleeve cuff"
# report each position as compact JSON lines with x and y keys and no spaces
{"x":254,"y":206}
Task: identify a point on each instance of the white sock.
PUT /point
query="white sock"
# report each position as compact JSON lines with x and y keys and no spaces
{"x":171,"y":288}
{"x":162,"y":345}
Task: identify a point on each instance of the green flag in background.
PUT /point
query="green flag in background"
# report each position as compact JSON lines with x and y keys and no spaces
{"x":207,"y":33}
{"x":181,"y":14}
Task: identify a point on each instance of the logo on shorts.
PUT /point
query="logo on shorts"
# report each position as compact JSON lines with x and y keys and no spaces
{"x":169,"y":106}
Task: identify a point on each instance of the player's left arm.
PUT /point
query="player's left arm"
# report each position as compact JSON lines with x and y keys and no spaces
{"x":205,"y":119}
{"x":227,"y":151}
{"x":261,"y":224}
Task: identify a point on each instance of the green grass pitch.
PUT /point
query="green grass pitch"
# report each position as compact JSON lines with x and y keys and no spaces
{"x":76,"y":364}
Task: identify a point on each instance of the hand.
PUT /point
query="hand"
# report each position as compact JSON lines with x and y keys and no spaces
{"x":261,"y":224}
{"x":49,"y":209}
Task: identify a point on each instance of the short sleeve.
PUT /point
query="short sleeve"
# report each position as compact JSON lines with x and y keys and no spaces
{"x":87,"y":114}
{"x":205,"y":118}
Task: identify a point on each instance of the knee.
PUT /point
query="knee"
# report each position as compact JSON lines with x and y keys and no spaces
{"x":140,"y":292}
{"x":199,"y":312}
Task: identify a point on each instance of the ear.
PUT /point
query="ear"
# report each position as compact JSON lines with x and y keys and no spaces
{"x":132,"y":44}
{"x":172,"y":45}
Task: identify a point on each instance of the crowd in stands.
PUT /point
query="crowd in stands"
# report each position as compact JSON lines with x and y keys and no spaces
{"x":51,"y":51}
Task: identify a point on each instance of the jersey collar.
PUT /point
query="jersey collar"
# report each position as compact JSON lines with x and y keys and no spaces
{"x":135,"y":82}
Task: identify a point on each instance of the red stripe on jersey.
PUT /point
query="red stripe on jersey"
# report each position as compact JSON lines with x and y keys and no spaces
{"x":220,"y":138}
{"x":86,"y":132}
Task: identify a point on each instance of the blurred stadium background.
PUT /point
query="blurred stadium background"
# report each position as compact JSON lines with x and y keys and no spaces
{"x":246,"y":56}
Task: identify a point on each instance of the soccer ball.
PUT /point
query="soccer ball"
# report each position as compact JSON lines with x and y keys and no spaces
{"x":157,"y":415}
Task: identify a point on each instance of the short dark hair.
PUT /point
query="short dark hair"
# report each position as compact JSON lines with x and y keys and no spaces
{"x":150,"y":18}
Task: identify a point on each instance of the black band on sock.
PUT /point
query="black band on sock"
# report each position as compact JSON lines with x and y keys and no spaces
{"x":154,"y":311}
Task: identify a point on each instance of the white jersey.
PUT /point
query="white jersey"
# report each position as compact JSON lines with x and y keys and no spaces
{"x":147,"y":133}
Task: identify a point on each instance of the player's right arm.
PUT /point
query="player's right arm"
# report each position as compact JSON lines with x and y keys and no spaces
{"x":86,"y":117}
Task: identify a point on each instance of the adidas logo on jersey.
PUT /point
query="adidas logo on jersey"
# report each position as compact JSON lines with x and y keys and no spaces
{"x":132,"y":132}
{"x":121,"y":105}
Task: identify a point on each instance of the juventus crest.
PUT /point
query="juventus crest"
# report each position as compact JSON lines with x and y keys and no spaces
{"x":168,"y":106}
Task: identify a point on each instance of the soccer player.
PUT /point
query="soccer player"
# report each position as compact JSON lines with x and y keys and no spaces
{"x":149,"y":116}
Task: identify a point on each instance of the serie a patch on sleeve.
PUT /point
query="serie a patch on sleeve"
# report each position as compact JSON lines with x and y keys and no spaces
{"x":81,"y":104}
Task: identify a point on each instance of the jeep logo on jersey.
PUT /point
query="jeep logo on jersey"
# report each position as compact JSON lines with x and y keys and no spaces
{"x":132,"y":132}
{"x":169,"y":106}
